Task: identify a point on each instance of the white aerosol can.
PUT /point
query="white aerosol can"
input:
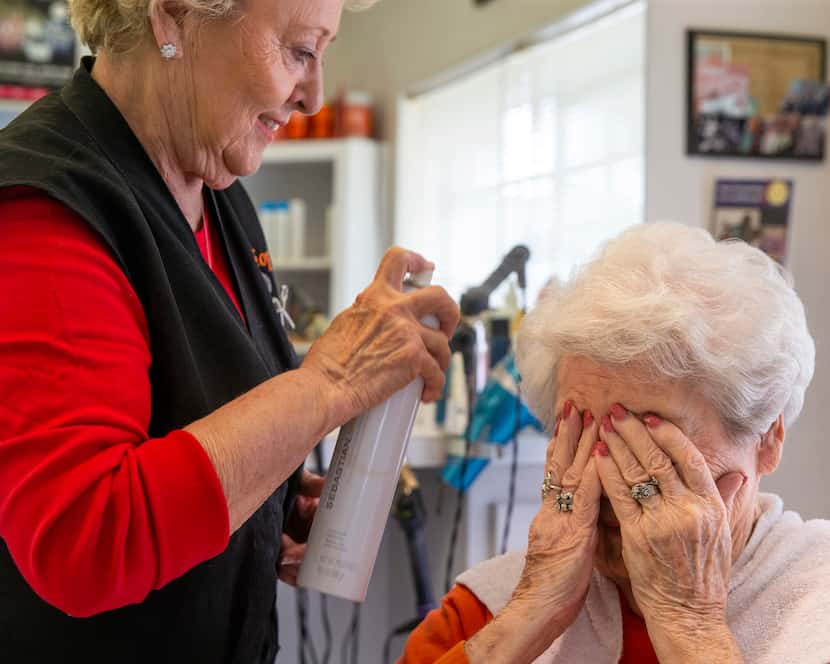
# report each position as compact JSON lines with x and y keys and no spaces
{"x":360,"y":486}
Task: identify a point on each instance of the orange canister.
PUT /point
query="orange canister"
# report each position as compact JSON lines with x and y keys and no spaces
{"x":321,"y":125}
{"x":355,"y":116}
{"x":297,"y":126}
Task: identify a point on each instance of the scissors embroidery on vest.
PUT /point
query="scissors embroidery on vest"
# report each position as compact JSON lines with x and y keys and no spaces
{"x":281,"y":307}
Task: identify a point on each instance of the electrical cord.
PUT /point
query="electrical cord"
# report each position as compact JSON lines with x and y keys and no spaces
{"x":305,"y":645}
{"x":327,"y":643}
{"x":459,"y":510}
{"x":351,"y":639}
{"x":356,"y":633}
{"x":307,"y":651}
{"x":514,"y":468}
{"x":406,"y":628}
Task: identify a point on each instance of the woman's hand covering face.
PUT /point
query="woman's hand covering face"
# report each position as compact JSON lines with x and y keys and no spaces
{"x":559,"y":560}
{"x":677,"y":544}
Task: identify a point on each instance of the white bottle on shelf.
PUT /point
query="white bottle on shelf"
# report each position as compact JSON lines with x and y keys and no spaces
{"x":266,"y":220}
{"x":296,"y":213}
{"x":282,"y":230}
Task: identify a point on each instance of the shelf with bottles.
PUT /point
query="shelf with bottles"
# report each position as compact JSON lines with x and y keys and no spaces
{"x":311,"y":150}
{"x":338,"y":182}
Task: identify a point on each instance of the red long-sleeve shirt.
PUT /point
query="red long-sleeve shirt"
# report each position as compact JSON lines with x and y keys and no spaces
{"x":94,"y":512}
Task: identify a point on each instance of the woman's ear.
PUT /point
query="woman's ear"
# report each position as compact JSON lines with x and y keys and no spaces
{"x":771,"y":447}
{"x":166,"y":21}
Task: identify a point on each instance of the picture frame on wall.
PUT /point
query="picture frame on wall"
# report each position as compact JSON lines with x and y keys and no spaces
{"x":756,"y":95}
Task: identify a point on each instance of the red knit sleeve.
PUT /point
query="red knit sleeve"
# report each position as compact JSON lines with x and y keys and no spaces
{"x":439,"y":639}
{"x":94,"y":514}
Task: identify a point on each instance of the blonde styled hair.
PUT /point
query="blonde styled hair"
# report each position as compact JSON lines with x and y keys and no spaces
{"x":721,"y":316}
{"x":119,"y":25}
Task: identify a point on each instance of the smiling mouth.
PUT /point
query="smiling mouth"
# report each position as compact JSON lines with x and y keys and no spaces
{"x":270,"y":124}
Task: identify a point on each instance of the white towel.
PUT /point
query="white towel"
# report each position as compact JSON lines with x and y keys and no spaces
{"x":778,"y":607}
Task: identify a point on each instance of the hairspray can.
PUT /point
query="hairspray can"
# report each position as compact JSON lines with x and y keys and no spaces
{"x":360,"y":486}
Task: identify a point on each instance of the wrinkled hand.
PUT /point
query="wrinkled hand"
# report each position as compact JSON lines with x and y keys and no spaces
{"x":561,"y":546}
{"x":298,"y":525}
{"x":291,"y":557}
{"x":378,"y":345}
{"x":676,"y":545}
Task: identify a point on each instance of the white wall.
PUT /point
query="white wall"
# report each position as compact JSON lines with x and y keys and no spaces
{"x":680,"y":187}
{"x":399,"y":43}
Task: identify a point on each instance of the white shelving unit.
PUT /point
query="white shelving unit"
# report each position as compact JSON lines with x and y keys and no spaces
{"x":339,"y":174}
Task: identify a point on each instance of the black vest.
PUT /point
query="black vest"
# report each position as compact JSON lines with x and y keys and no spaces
{"x":75,"y":146}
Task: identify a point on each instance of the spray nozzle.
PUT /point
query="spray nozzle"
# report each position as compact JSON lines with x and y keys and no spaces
{"x":419,"y":280}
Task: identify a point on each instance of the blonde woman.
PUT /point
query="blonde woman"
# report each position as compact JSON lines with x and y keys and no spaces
{"x":153,"y":419}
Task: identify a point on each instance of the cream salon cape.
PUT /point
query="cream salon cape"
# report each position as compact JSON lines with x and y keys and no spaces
{"x":778,"y":607}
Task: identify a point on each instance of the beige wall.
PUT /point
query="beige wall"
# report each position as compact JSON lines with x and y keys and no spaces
{"x":680,"y":188}
{"x":399,"y":43}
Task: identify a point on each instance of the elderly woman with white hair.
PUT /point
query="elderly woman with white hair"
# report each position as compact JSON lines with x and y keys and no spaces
{"x":669,"y":370}
{"x":154,"y":419}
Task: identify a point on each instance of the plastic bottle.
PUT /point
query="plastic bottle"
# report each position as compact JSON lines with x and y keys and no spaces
{"x":282,"y":230}
{"x":267,"y":223}
{"x":457,"y":414}
{"x":355,"y":116}
{"x":296,"y":214}
{"x":360,"y":486}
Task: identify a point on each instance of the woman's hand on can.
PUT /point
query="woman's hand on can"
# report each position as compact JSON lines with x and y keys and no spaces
{"x":379,"y":344}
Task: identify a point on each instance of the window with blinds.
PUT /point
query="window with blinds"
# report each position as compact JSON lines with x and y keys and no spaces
{"x":545,"y":147}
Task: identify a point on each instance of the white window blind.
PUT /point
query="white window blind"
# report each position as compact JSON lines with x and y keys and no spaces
{"x":545,"y":147}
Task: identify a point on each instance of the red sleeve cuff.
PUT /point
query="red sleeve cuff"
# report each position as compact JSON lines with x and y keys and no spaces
{"x":188,"y":504}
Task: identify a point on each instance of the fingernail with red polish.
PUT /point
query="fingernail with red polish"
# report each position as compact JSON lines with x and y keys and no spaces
{"x":601,"y":448}
{"x":652,"y":421}
{"x":606,"y":424}
{"x":618,"y":412}
{"x":566,"y":413}
{"x":587,"y":419}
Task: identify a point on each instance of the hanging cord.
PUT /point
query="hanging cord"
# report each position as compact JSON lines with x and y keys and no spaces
{"x":459,"y":505}
{"x":351,"y":638}
{"x":404,"y":629}
{"x":305,"y":645}
{"x":459,"y":510}
{"x":327,"y":643}
{"x":514,"y":468}
{"x":356,"y":633}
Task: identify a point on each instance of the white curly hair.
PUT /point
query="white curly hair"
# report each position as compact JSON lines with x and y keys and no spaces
{"x":721,"y":316}
{"x":118,"y":25}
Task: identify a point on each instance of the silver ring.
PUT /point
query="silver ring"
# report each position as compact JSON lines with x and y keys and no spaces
{"x":565,"y":501}
{"x":548,"y":486}
{"x":643,"y":490}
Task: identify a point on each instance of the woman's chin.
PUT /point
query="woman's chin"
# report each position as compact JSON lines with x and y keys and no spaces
{"x":235,"y":167}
